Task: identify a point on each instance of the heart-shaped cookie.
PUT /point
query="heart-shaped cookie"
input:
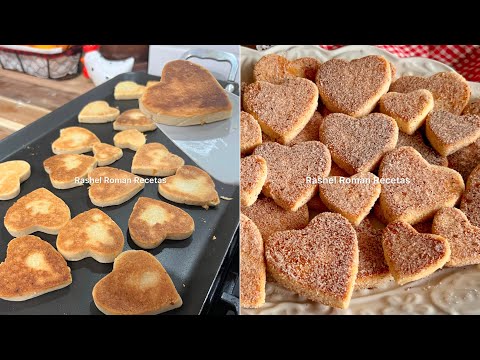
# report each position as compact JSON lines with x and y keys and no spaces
{"x":253,"y":173}
{"x":137,"y":285}
{"x":464,"y":238}
{"x":39,"y":210}
{"x":358,"y":145}
{"x":106,"y":154}
{"x":110,"y":186}
{"x":293,"y":172}
{"x":134,"y":119}
{"x":270,"y":218}
{"x":153,"y":221}
{"x":252,"y":268}
{"x":448,"y":132}
{"x":90,"y":234}
{"x":98,"y":112}
{"x":12,"y":174}
{"x":154,"y":159}
{"x":470,"y":204}
{"x":129,"y":139}
{"x":319,"y":262}
{"x":281,"y":110}
{"x":411,"y":255}
{"x":32,"y":268}
{"x":311,"y":131}
{"x":418,"y":143}
{"x":128,"y":90}
{"x":275,"y":69}
{"x":187,"y":94}
{"x":465,"y":159}
{"x":191,"y":186}
{"x":413,"y":190}
{"x":450,"y":90}
{"x":409,"y":110}
{"x":250,"y":133}
{"x":473,"y":108}
{"x":65,"y":170}
{"x":352,"y":197}
{"x":353,"y":87}
{"x":74,"y":140}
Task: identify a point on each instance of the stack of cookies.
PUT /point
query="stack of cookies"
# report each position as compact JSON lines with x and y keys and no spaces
{"x":351,"y":178}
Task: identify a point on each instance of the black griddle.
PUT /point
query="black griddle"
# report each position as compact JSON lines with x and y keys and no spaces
{"x":193,"y":264}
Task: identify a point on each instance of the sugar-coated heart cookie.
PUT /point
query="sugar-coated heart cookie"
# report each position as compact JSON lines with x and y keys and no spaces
{"x":473,"y":108}
{"x":319,"y":262}
{"x":190,"y":185}
{"x":352,"y":197}
{"x":154,"y":159}
{"x":270,"y":218}
{"x":450,"y":90}
{"x":411,"y":255}
{"x":372,"y":269}
{"x":12,"y":174}
{"x":32,"y":268}
{"x":152,"y":221}
{"x":464,"y":238}
{"x":128,"y":90}
{"x":252,"y":267}
{"x":358,"y":144}
{"x":281,"y":110}
{"x":39,"y":210}
{"x":416,"y":190}
{"x":98,"y":112}
{"x":134,"y":119}
{"x":74,"y":140}
{"x":418,"y":143}
{"x":409,"y":110}
{"x":465,"y":159}
{"x":137,"y":285}
{"x":111,"y":186}
{"x":353,"y":87}
{"x":253,"y":173}
{"x":66,"y":169}
{"x":106,"y":154}
{"x":250,"y":133}
{"x":129,"y":139}
{"x":293,"y":171}
{"x":470,"y":204}
{"x":275,"y":68}
{"x":448,"y":132}
{"x":90,"y":234}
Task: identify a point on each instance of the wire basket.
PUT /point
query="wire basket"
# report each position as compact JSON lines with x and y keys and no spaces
{"x":49,"y":66}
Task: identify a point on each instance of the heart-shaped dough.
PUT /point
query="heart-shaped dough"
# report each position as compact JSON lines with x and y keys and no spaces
{"x":418,"y":143}
{"x":129,"y":139}
{"x":358,"y":145}
{"x":187,"y":94}
{"x":281,"y":110}
{"x":191,"y":186}
{"x":450,"y":90}
{"x":319,"y":262}
{"x":470,"y":204}
{"x":106,"y":154}
{"x":250,"y":133}
{"x":12,"y":174}
{"x":74,"y":140}
{"x":154,"y":159}
{"x":448,"y":132}
{"x":352,"y":197}
{"x":409,"y":110}
{"x":91,"y":234}
{"x":137,"y":285}
{"x":253,"y":173}
{"x":128,"y":90}
{"x":153,"y":221}
{"x":270,"y":218}
{"x":411,"y":255}
{"x":134,"y":119}
{"x":413,"y":190}
{"x":473,"y":108}
{"x":110,"y":186}
{"x":464,"y":238}
{"x":293,"y":172}
{"x":353,"y":87}
{"x":252,"y":268}
{"x":275,"y":69}
{"x":32,"y":268}
{"x":39,"y":210}
{"x":65,"y":170}
{"x":98,"y":112}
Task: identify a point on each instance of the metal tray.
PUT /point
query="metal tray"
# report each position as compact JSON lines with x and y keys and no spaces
{"x":192,"y":264}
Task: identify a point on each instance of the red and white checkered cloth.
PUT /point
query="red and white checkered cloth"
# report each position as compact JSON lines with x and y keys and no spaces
{"x":465,"y":59}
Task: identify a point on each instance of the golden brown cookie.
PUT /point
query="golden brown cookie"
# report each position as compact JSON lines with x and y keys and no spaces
{"x":66,"y":169}
{"x":253,"y":173}
{"x":250,"y":133}
{"x":134,"y":119}
{"x":12,"y":174}
{"x":275,"y":68}
{"x":154,"y":159}
{"x":74,"y":140}
{"x":128,"y":90}
{"x":129,"y":139}
{"x":106,"y":154}
{"x":98,"y":112}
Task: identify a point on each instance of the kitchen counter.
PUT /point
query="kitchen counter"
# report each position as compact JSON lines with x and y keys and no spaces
{"x":25,"y":98}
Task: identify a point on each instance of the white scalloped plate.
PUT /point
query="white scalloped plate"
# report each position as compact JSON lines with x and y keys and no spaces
{"x":448,"y":291}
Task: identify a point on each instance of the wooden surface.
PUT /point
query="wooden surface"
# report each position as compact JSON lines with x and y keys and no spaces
{"x":25,"y":98}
